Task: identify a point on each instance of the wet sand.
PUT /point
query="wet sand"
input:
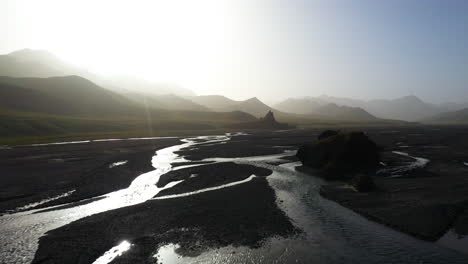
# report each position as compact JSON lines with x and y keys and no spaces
{"x":245,"y":214}
{"x":425,"y":202}
{"x":33,"y":173}
{"x":241,"y":215}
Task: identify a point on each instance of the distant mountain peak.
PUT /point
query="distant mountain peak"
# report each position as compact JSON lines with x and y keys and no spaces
{"x":41,"y":63}
{"x":254,"y":99}
{"x":331,"y":105}
{"x":33,"y":54}
{"x":270,"y":117}
{"x":411,"y":98}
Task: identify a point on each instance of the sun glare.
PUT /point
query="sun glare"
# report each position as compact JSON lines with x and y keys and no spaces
{"x":178,"y":41}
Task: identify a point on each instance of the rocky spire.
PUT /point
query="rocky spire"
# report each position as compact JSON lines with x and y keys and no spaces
{"x":269,"y":117}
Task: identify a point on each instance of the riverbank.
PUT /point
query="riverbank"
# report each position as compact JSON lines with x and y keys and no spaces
{"x":425,"y":201}
{"x":246,"y":213}
{"x":242,"y":215}
{"x":87,"y":170}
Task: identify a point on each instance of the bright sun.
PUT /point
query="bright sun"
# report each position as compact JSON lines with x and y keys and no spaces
{"x":171,"y":40}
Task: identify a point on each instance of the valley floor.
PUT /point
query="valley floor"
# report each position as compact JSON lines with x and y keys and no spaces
{"x":245,"y":214}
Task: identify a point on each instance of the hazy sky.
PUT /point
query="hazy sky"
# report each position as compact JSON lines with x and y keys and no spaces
{"x":269,"y":49}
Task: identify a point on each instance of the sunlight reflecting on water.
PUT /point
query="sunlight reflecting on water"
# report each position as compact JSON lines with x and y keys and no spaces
{"x":114,"y":252}
{"x":167,"y":254}
{"x":21,"y":231}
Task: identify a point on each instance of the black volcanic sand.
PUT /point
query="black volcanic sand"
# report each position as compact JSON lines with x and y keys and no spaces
{"x":32,"y":173}
{"x":242,"y":215}
{"x":255,"y":144}
{"x":246,"y":214}
{"x":206,"y":176}
{"x":424,"y":202}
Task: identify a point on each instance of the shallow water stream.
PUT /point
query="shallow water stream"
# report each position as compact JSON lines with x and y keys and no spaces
{"x":332,"y":234}
{"x":21,"y":231}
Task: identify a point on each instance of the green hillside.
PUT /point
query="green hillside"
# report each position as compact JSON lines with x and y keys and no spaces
{"x":39,"y":109}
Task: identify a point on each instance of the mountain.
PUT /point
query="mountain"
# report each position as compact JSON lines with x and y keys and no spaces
{"x":252,"y":106}
{"x":18,"y":67}
{"x":43,"y":64}
{"x":38,"y":63}
{"x":214,"y":102}
{"x":76,"y":96}
{"x":125,"y":84}
{"x":72,"y":107}
{"x":342,"y":101}
{"x":454,"y":117}
{"x":452,"y":106}
{"x":306,"y":105}
{"x":18,"y":99}
{"x":67,"y":95}
{"x":344,"y":112}
{"x":318,"y":106}
{"x":266,"y":122}
{"x":407,"y":108}
{"x":220,"y":103}
{"x":167,"y":101}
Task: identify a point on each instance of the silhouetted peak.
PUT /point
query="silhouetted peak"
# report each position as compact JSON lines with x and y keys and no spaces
{"x":331,"y":105}
{"x":253,"y":100}
{"x":73,"y":80}
{"x":31,"y":54}
{"x":410,"y":99}
{"x":270,"y":117}
{"x":21,"y":51}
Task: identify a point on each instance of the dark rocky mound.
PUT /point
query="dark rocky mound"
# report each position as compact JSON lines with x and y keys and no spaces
{"x":363,"y":182}
{"x":328,"y":133}
{"x":340,"y":156}
{"x":269,"y":118}
{"x":267,"y":122}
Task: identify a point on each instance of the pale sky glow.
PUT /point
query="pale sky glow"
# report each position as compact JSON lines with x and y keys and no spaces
{"x":271,"y":49}
{"x":153,"y":39}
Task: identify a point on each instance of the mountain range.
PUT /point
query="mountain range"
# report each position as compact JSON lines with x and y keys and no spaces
{"x":37,"y":84}
{"x":407,"y":108}
{"x":318,"y":106}
{"x":43,"y":64}
{"x":450,"y":117}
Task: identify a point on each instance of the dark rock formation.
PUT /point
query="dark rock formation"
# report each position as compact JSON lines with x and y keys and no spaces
{"x":341,"y":156}
{"x":328,"y":133}
{"x":363,"y":182}
{"x":269,"y":117}
{"x":267,"y":122}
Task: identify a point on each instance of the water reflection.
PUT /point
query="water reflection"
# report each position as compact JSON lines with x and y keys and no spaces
{"x":452,"y":239}
{"x":50,"y":199}
{"x":227,"y":185}
{"x":168,"y":254}
{"x":332,"y":234}
{"x":409,"y":166}
{"x":113,"y":253}
{"x":21,"y":231}
{"x":118,"y":163}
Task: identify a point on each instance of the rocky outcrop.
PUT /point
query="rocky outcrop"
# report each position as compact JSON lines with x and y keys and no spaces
{"x":267,"y":122}
{"x":363,"y":182}
{"x":328,"y":133}
{"x":269,"y":117}
{"x":341,"y":156}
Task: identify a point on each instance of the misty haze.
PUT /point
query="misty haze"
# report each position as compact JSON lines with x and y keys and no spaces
{"x":233,"y":131}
